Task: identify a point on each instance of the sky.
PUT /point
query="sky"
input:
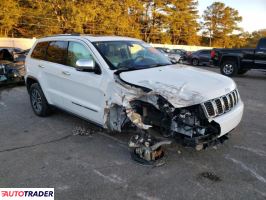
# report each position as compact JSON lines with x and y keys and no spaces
{"x":253,"y":12}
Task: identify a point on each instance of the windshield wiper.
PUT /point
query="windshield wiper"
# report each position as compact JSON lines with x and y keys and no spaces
{"x":159,"y":65}
{"x":124,"y":69}
{"x":132,"y":68}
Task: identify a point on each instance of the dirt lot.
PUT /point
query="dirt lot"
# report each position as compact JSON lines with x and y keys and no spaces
{"x":45,"y":152}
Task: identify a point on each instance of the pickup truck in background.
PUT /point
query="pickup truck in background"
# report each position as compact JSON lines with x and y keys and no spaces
{"x":234,"y":62}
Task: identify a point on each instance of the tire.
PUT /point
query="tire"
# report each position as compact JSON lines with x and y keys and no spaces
{"x":229,"y":68}
{"x":195,"y":62}
{"x":242,"y":71}
{"x":38,"y":101}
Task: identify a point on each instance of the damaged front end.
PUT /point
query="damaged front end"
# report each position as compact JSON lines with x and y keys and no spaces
{"x":189,"y":124}
{"x":144,"y":109}
{"x":11,"y":73}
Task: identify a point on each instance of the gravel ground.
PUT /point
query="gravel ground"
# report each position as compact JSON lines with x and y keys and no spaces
{"x":50,"y":152}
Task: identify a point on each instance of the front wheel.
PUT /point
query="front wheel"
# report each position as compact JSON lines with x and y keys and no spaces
{"x":229,"y":68}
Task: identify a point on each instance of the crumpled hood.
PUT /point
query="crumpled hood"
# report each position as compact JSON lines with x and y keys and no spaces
{"x":181,"y":85}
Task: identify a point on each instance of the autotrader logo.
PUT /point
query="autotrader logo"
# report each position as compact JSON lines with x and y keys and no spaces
{"x":26,"y":193}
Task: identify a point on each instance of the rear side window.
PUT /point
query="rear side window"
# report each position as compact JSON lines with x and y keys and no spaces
{"x":39,"y":52}
{"x":57,"y":51}
{"x":205,"y":52}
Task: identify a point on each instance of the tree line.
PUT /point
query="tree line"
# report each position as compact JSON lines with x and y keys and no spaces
{"x":155,"y":21}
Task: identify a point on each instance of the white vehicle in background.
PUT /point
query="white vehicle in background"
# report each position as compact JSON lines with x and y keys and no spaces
{"x":173,"y":57}
{"x":120,"y":82}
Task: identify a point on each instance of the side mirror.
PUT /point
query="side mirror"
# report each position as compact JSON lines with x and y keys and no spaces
{"x":85,"y":65}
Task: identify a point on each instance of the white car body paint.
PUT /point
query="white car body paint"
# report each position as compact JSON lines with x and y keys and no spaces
{"x":181,"y":85}
{"x":91,"y":96}
{"x":184,"y":86}
{"x":230,"y":120}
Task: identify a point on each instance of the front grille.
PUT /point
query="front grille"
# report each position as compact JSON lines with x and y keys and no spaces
{"x":221,"y":105}
{"x":226,"y":103}
{"x":209,"y":108}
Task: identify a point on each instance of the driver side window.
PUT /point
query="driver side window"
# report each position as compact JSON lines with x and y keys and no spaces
{"x":77,"y":51}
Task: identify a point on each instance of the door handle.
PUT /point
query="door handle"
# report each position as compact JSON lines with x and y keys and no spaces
{"x":66,"y":73}
{"x":41,"y":66}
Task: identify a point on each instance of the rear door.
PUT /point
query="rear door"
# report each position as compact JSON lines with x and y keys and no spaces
{"x":247,"y":60}
{"x":260,"y":55}
{"x":36,"y":64}
{"x":205,"y":56}
{"x":51,"y":68}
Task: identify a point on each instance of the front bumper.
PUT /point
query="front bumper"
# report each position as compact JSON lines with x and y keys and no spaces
{"x":227,"y":122}
{"x":230,"y":120}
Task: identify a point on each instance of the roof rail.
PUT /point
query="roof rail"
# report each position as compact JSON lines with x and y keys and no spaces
{"x":66,"y":34}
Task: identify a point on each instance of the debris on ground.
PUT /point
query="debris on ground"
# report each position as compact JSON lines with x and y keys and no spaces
{"x":211,"y":176}
{"x":82,"y":131}
{"x":146,"y":149}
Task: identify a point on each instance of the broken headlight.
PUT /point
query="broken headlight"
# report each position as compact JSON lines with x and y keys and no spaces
{"x":188,"y":122}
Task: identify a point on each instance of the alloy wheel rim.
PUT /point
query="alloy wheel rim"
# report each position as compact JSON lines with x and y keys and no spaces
{"x":228,"y":69}
{"x":36,"y":100}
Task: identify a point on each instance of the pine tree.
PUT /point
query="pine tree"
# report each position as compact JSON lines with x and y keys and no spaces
{"x":9,"y":16}
{"x":220,"y":21}
{"x":183,"y":25}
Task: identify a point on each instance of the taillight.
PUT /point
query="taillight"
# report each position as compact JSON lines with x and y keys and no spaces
{"x":212,"y":54}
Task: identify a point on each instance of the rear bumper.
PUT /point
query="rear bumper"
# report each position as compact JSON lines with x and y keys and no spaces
{"x":231,"y":119}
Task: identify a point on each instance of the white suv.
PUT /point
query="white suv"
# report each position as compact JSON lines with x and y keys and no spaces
{"x":119,"y":81}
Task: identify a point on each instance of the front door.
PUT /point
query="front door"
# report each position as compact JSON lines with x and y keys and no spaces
{"x":83,"y":93}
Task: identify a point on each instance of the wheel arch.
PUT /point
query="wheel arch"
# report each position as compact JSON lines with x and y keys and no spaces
{"x":230,"y":58}
{"x":195,"y":58}
{"x":29,"y":81}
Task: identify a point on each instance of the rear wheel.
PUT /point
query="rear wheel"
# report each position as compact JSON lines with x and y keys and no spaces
{"x":195,"y":62}
{"x":39,"y":103}
{"x":229,"y":68}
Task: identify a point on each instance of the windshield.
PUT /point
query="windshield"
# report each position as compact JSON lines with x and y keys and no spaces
{"x":130,"y":55}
